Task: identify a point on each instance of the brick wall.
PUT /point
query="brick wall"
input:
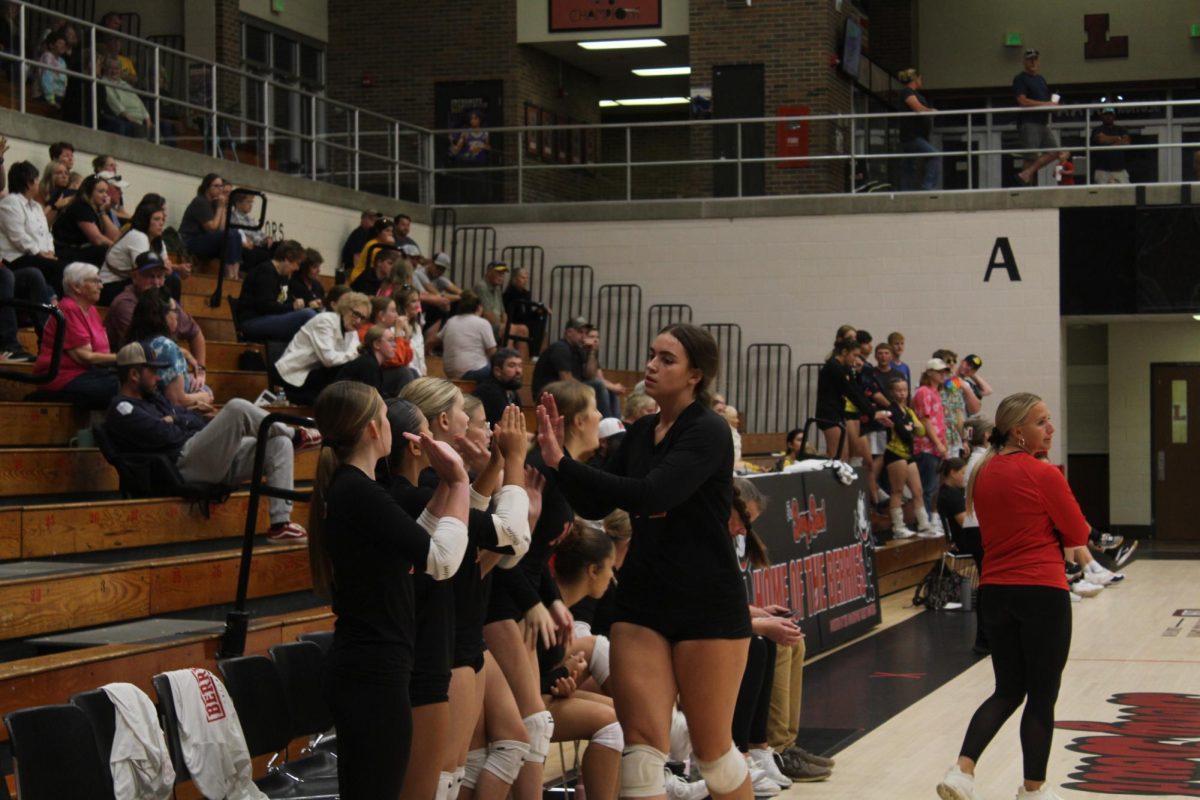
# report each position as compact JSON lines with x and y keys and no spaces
{"x":228,"y":18}
{"x":423,"y":42}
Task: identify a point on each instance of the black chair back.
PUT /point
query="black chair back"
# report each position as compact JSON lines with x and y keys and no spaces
{"x":103,"y":718}
{"x":169,"y":720}
{"x":322,"y":639}
{"x":258,"y":695}
{"x":300,"y":665}
{"x":55,"y":756}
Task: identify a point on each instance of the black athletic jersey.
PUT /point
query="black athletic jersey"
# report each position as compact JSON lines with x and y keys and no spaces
{"x":681,"y":567}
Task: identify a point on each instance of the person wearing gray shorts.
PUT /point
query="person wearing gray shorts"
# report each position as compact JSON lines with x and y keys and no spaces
{"x":1039,"y":142}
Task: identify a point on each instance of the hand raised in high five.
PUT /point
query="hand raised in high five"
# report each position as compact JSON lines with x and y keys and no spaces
{"x":550,"y":435}
{"x":508,"y":436}
{"x":443,"y":459}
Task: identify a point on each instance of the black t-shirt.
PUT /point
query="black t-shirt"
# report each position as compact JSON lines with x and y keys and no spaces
{"x":66,"y":225}
{"x":368,"y":282}
{"x":1033,"y":87}
{"x":495,"y":398}
{"x":557,"y":358}
{"x":1108,"y":157}
{"x":952,"y":500}
{"x":374,"y":547}
{"x":264,"y":292}
{"x":364,"y":369}
{"x":355,"y":242}
{"x":916,"y":125}
{"x":198,"y":212}
{"x":298,"y":288}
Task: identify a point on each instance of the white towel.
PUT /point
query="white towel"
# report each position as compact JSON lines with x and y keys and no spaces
{"x":140,"y":761}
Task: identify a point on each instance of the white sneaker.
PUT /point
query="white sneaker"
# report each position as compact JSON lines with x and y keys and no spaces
{"x":1086,"y":588}
{"x":765,"y":760}
{"x":958,"y":785}
{"x":1044,"y":793}
{"x":679,"y":789}
{"x":762,"y":785}
{"x":930,"y":533}
{"x":1095,"y":573}
{"x":1075,"y":598}
{"x":883,"y":495}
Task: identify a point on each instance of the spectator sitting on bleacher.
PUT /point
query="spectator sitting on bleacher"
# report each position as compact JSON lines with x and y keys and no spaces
{"x":220,"y":450}
{"x":438,"y":293}
{"x":409,"y":327}
{"x":84,"y":231}
{"x":382,"y":235}
{"x":384,"y":265}
{"x":25,"y":239}
{"x":151,"y":273}
{"x":144,"y":235}
{"x":256,"y":244}
{"x":112,"y":46}
{"x":565,"y":359}
{"x":86,"y":354}
{"x":203,"y":226}
{"x":24,"y":283}
{"x":516,"y":294}
{"x":155,"y":322}
{"x":125,"y":112}
{"x":51,"y":84}
{"x":357,"y":239}
{"x":306,"y":283}
{"x":56,"y":192}
{"x":396,"y":372}
{"x":322,"y":345}
{"x":467,"y":341}
{"x":378,"y":346}
{"x":638,"y":405}
{"x":403,"y":228}
{"x":105,"y":168}
{"x":264,"y":309}
{"x":498,"y":389}
{"x":491,"y":294}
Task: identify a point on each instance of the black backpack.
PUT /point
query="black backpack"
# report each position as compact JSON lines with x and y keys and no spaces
{"x":939,"y":587}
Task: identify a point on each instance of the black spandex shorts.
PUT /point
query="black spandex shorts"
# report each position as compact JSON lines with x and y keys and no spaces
{"x":433,"y":647}
{"x":501,"y":607}
{"x":891,"y":458}
{"x":677,"y":623}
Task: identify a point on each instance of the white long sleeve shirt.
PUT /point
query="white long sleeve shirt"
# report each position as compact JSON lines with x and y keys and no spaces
{"x":140,"y":761}
{"x":321,"y":342}
{"x":23,"y":228}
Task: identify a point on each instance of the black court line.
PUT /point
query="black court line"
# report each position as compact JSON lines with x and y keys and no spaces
{"x":855,"y":690}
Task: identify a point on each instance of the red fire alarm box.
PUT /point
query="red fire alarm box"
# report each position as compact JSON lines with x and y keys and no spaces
{"x":791,"y":137}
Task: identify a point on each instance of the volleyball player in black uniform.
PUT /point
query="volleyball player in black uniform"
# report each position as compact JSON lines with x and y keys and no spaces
{"x":682,"y":625}
{"x":363,"y":552}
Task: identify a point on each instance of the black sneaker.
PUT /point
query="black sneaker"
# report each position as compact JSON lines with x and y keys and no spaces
{"x":812,"y":758}
{"x":800,"y":770}
{"x":16,"y":353}
{"x":1125,"y":552}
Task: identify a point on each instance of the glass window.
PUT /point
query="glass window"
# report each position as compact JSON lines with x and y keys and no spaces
{"x":256,"y":44}
{"x":312,"y":65}
{"x":285,"y":55}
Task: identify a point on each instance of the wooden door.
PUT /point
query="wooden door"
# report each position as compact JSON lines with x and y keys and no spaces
{"x":1175,"y":453}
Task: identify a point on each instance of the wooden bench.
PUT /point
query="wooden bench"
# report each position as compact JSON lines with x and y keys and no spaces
{"x":81,"y":470}
{"x":226,"y":384}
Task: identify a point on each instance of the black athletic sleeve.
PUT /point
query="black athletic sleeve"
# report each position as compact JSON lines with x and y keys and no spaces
{"x":516,"y":583}
{"x":548,"y":588}
{"x":594,"y":493}
{"x":373,"y":514}
{"x":852,"y":391}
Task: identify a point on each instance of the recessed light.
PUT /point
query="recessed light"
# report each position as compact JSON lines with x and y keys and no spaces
{"x":1196,"y":317}
{"x":621,"y":44}
{"x":659,"y":72}
{"x":646,"y":101}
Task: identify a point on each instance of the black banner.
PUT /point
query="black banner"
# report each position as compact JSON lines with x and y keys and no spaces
{"x":818,"y":533}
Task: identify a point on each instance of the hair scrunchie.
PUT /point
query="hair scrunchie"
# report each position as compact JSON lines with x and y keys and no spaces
{"x":998,"y":439}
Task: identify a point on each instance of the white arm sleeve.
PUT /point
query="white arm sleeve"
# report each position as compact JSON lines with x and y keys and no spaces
{"x":447,"y":544}
{"x":512,"y":519}
{"x":479,"y":502}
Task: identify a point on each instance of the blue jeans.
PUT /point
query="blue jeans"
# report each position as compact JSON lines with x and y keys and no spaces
{"x":928,"y":466}
{"x":97,"y":387}
{"x":277,"y":327}
{"x":209,"y":245}
{"x":606,"y":402}
{"x":932,"y":166}
{"x":477,"y":374}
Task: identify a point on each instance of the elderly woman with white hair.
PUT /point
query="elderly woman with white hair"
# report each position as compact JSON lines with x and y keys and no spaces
{"x":86,"y":356}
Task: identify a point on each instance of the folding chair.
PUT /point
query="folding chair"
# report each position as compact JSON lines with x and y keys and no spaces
{"x":55,"y":756}
{"x":299,"y":665}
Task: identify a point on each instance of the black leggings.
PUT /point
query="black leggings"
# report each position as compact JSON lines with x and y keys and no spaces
{"x":374,"y":727}
{"x":754,"y":697}
{"x":1029,"y":631}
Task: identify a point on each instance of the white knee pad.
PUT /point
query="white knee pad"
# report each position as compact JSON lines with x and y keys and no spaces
{"x":505,"y":757}
{"x":598,"y":666}
{"x":642,"y":771}
{"x":540,"y":727}
{"x":444,"y":784}
{"x":456,"y":784}
{"x":681,"y":740}
{"x":475,"y":762}
{"x":610,"y":736}
{"x":726,"y":773}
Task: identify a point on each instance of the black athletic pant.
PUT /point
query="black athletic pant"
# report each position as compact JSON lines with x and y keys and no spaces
{"x":754,"y":697}
{"x":1029,"y":631}
{"x":374,"y":728}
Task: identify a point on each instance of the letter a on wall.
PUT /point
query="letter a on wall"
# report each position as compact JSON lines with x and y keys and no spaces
{"x":1007,"y":261}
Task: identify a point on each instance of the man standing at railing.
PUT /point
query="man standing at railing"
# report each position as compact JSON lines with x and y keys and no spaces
{"x":1039,"y":142}
{"x":915,"y":133}
{"x":1108,"y":158}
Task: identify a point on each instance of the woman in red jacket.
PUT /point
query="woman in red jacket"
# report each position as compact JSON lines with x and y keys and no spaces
{"x":1027,"y":515}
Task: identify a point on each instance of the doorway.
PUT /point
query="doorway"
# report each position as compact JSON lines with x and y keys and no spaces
{"x":1175,"y":453}
{"x":738,"y":93}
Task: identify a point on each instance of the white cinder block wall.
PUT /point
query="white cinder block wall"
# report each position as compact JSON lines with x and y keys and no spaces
{"x":796,"y":279}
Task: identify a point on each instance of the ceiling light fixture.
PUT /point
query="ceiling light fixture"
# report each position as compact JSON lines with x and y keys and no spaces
{"x":608,"y":103}
{"x":660,"y":72}
{"x":620,"y":44}
{"x":646,"y":101}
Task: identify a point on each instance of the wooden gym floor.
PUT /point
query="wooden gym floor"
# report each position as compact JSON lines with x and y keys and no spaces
{"x":894,"y":705}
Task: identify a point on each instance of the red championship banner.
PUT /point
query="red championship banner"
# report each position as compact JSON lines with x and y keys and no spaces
{"x":604,"y":15}
{"x":818,"y":533}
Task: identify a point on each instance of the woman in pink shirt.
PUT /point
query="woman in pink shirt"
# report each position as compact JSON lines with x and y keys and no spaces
{"x":83,"y":368}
